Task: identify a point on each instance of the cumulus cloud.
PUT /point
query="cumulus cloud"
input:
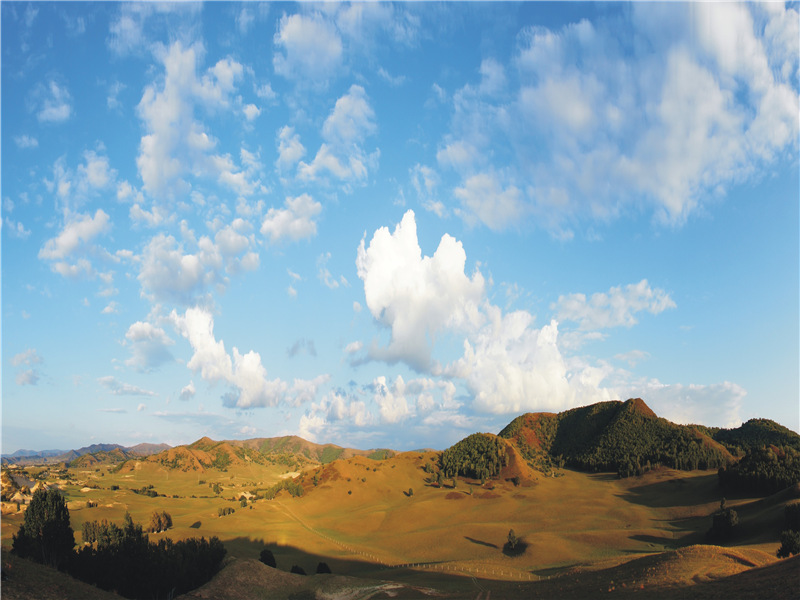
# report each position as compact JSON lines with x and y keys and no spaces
{"x":294,"y":222}
{"x":176,"y":144}
{"x":615,"y":308}
{"x":54,"y":102}
{"x":417,"y":297}
{"x":188,"y":391}
{"x":28,"y":357}
{"x":243,"y":373}
{"x":290,"y":150}
{"x":718,"y":404}
{"x":149,"y":346}
{"x":341,"y":154}
{"x":122,"y":389}
{"x":27,"y":377}
{"x":26,"y":141}
{"x":307,"y":48}
{"x":595,"y":127}
{"x":75,"y":237}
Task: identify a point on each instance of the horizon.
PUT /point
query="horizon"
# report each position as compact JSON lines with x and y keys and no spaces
{"x":394,"y":224}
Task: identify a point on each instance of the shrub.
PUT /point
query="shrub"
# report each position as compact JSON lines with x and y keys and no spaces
{"x":323,"y":568}
{"x":790,"y":544}
{"x":298,"y":570}
{"x":268,"y":558}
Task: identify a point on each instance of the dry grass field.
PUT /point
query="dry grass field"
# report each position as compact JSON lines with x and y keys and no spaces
{"x":580,"y":534}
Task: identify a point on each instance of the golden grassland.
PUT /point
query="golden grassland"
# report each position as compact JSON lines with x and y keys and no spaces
{"x":592,"y":531}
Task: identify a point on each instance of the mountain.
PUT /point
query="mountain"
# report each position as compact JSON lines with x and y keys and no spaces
{"x":613,"y":436}
{"x":101,"y":453}
{"x":291,"y":451}
{"x":757,"y":433}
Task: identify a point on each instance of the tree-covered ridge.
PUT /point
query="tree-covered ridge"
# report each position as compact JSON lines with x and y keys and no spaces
{"x":756,"y":433}
{"x":626,"y":437}
{"x":479,"y":455}
{"x":764,"y":470}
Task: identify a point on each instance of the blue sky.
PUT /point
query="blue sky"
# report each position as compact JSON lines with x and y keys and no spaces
{"x":391,"y":225}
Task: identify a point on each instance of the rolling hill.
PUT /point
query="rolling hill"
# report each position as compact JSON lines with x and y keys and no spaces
{"x":103,"y":453}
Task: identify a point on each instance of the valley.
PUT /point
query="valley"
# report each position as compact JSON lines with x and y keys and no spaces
{"x":398,"y":523}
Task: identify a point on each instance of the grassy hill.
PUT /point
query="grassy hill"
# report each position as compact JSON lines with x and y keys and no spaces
{"x":624,"y":437}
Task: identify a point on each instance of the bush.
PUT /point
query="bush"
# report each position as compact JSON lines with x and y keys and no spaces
{"x":790,"y":544}
{"x":268,"y":558}
{"x":323,"y":568}
{"x":298,"y":570}
{"x":724,"y":523}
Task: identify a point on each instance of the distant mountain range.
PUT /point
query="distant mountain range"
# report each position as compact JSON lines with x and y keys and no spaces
{"x":101,"y":451}
{"x":626,"y":437}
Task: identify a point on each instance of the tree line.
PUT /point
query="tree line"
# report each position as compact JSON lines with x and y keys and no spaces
{"x":116,"y":558}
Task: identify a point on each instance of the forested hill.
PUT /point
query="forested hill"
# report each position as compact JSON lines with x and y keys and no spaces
{"x":617,"y":436}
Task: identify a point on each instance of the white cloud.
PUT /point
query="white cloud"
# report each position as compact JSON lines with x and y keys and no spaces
{"x":341,"y":154}
{"x":26,"y":141}
{"x":307,"y":48}
{"x":122,"y":389}
{"x":77,"y":233}
{"x":295,"y":222}
{"x":167,"y":273}
{"x":716,"y":405}
{"x":354,"y":347}
{"x":244,"y":373}
{"x":28,"y":357}
{"x":417,"y":297}
{"x":54,"y":103}
{"x":290,"y":150}
{"x":28,"y":377}
{"x":111,"y":308}
{"x":244,"y":20}
{"x":391,"y":399}
{"x":616,"y":308}
{"x":176,"y":144}
{"x":149,"y":346}
{"x":188,"y":391}
{"x":484,"y":198}
{"x":251,"y":112}
{"x":17,"y":229}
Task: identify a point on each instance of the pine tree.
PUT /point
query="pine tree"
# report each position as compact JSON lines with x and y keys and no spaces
{"x":45,"y":535}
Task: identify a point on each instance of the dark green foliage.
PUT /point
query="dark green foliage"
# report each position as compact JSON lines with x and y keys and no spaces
{"x":478,"y":455}
{"x":222,"y":512}
{"x":757,"y":433}
{"x":621,"y":437}
{"x":410,"y":492}
{"x":724,"y":523}
{"x":46,"y":535}
{"x":330,"y":454}
{"x":790,"y":544}
{"x":791,"y":514}
{"x":323,"y":568}
{"x":512,"y":539}
{"x":114,"y":487}
{"x":243,"y":502}
{"x":290,"y":485}
{"x":763,"y":471}
{"x":159,"y":521}
{"x":125,"y":560}
{"x":380,"y":454}
{"x":298,"y":570}
{"x":268,"y":558}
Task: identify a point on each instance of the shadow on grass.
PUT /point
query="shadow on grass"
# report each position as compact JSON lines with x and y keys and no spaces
{"x":479,"y":542}
{"x":518,"y":550}
{"x":680,"y":491}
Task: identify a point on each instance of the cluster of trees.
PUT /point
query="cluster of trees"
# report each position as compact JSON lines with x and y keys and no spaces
{"x":479,"y":455}
{"x":159,"y":521}
{"x":763,"y":471}
{"x":228,"y":510}
{"x":113,"y":557}
{"x":723,"y":523}
{"x":268,"y":558}
{"x":613,"y":436}
{"x":146,"y":491}
{"x":291,"y":486}
{"x":790,"y":537}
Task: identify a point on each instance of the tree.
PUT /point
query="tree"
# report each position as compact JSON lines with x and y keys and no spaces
{"x":790,"y":544}
{"x":268,"y":558}
{"x":323,"y":568}
{"x":512,"y":539}
{"x":45,"y":535}
{"x":298,"y":570}
{"x":244,"y":502}
{"x":410,"y":492}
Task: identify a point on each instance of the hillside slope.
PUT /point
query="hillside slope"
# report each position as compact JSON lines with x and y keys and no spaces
{"x":613,"y":436}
